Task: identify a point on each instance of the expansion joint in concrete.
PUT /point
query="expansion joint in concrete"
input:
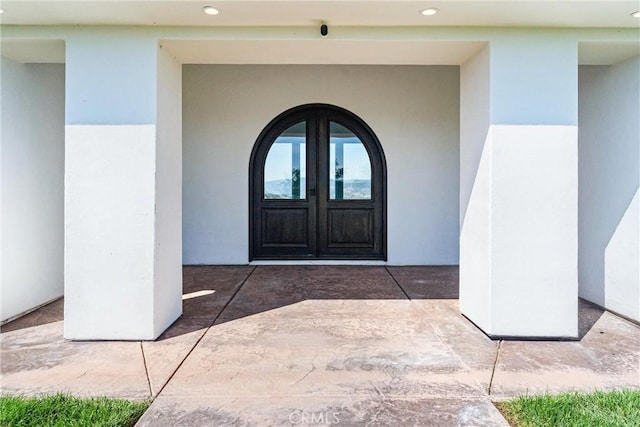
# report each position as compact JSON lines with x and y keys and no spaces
{"x":397,"y":283}
{"x":206,"y":331}
{"x":146,"y":371}
{"x":493,"y":370}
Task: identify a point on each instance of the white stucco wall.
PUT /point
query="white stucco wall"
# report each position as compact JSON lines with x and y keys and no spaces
{"x":540,"y":69}
{"x":475,"y":189}
{"x":122,"y":188}
{"x":109,"y":187}
{"x":534,"y":230}
{"x":32,"y":176}
{"x":609,"y":144}
{"x":167,"y":284}
{"x":518,"y":238}
{"x":414,"y":111}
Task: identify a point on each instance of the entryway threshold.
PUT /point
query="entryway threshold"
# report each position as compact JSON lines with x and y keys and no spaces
{"x":318,"y":262}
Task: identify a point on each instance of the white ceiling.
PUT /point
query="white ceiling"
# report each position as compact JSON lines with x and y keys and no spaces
{"x":540,"y":13}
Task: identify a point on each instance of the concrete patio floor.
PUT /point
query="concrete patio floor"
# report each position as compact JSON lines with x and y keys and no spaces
{"x":305,"y":345}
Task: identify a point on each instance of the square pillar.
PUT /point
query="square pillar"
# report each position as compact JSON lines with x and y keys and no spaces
{"x":123,"y":241}
{"x":519,"y":187}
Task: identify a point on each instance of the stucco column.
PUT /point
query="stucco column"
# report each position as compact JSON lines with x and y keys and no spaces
{"x":519,"y":187}
{"x":123,"y":241}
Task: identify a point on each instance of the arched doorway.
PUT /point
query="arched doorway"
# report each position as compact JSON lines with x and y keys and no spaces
{"x":317,"y":187}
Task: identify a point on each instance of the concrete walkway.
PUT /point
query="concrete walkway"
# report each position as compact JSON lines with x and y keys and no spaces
{"x":315,"y":345}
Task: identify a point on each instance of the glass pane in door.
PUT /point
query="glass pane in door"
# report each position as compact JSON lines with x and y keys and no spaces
{"x":349,"y":165}
{"x":285,"y":168}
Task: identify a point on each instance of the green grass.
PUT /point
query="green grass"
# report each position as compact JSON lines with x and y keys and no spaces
{"x":617,"y":408}
{"x":64,"y":410}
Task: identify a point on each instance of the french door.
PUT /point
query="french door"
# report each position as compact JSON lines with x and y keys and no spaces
{"x":317,"y":187}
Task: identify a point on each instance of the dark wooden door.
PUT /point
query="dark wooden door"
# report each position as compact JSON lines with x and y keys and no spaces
{"x":317,"y":187}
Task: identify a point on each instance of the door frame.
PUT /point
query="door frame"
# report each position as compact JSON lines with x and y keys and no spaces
{"x":256,"y":183}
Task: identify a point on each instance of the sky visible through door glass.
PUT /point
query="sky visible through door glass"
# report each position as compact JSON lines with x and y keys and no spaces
{"x":349,"y":165}
{"x":279,"y":169}
{"x":286,"y":163}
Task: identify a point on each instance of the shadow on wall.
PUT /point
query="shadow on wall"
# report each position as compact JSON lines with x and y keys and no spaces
{"x":608,"y":173}
{"x":598,"y":258}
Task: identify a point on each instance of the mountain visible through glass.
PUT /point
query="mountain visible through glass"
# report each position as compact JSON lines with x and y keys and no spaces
{"x":285,"y":169}
{"x":349,"y":165}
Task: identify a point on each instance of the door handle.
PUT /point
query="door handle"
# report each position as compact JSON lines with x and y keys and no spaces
{"x":312,"y":191}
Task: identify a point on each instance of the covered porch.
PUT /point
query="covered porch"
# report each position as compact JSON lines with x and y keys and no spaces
{"x":136,"y":140}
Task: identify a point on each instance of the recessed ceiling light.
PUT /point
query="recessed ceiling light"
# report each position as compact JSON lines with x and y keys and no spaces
{"x":1,"y":10}
{"x":429,"y":12}
{"x":636,"y":14}
{"x":210,"y":10}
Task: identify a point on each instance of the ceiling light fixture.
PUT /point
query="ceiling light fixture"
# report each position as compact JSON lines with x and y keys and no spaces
{"x":210,"y":10}
{"x":429,"y":12}
{"x":1,"y":10}
{"x":636,"y":14}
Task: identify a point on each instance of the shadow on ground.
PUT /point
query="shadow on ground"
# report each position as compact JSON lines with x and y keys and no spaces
{"x":219,"y":294}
